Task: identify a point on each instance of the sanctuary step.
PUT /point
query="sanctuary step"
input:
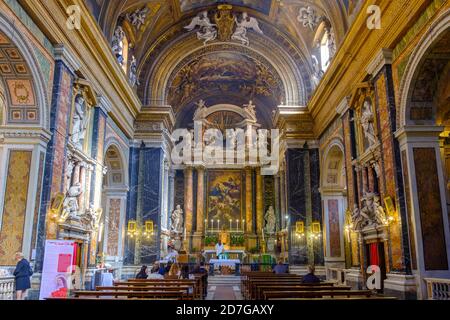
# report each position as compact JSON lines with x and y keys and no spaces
{"x":221,"y":280}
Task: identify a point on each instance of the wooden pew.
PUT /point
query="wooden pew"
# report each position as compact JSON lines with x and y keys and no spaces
{"x":268,"y":295}
{"x":247,"y":283}
{"x":179,"y":295}
{"x":260,"y":290}
{"x":196,"y":283}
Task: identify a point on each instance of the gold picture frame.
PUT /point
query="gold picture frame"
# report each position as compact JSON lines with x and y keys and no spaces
{"x":315,"y":227}
{"x":149,"y":226}
{"x":300,"y":227}
{"x":132,"y":226}
{"x":57,"y":203}
{"x":390,"y":207}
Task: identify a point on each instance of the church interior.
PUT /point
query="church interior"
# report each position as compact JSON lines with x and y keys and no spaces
{"x":229,"y":139}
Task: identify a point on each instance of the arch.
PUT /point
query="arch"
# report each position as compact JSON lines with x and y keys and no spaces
{"x":333,"y":163}
{"x":437,"y":29}
{"x":19,"y":40}
{"x":117,"y":175}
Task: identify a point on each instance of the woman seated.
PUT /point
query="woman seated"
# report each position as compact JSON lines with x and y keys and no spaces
{"x":143,"y":273}
{"x":174,"y":272}
{"x":154,"y":273}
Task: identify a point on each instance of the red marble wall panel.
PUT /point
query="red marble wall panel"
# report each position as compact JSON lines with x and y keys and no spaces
{"x":113,"y":227}
{"x":428,"y":194}
{"x":411,"y":231}
{"x":334,"y":225}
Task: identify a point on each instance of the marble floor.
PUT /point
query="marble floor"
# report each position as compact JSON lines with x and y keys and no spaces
{"x":224,"y":288}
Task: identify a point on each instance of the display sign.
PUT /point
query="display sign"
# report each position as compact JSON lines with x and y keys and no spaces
{"x":59,"y":265}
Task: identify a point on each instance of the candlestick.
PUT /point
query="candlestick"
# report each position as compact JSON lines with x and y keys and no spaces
{"x":212,"y":224}
{"x":262,"y":232}
{"x":237,"y":225}
{"x":243,"y":224}
{"x":231,"y":227}
{"x":218,"y":225}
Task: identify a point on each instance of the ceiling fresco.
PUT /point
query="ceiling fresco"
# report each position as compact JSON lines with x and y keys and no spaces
{"x":223,"y":74}
{"x":262,"y":6}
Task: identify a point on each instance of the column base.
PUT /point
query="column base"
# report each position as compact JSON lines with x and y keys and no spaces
{"x":197,"y":241}
{"x":402,"y":286}
{"x":354,"y":278}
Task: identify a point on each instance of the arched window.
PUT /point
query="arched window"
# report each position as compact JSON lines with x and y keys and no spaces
{"x":324,"y":52}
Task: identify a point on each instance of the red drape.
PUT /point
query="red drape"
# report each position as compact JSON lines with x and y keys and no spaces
{"x":75,"y":251}
{"x":374,"y":259}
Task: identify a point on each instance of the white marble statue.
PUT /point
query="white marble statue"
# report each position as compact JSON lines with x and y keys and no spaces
{"x":246,"y":22}
{"x":117,"y":44}
{"x":137,"y":18}
{"x":331,"y":43}
{"x":250,"y":108}
{"x":307,"y":16}
{"x":371,"y":214}
{"x":208,"y":30}
{"x":79,"y":123}
{"x":367,"y":123}
{"x":201,"y":105}
{"x":177,"y":220}
{"x":69,"y":171}
{"x":317,"y":72}
{"x":133,"y":72}
{"x":270,"y":220}
{"x":70,"y":204}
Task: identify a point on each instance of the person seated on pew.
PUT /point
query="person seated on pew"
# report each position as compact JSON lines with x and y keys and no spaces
{"x":154,"y":273}
{"x":143,"y":273}
{"x":167,"y":268}
{"x":311,"y":277}
{"x":185,"y":272}
{"x":280,"y":268}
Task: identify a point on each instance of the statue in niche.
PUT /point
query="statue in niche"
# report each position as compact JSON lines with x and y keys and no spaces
{"x":117,"y":44}
{"x":317,"y":72}
{"x":133,"y":72}
{"x":70,"y":205}
{"x":250,"y":108}
{"x":367,"y":123}
{"x":359,"y":219}
{"x":79,"y":122}
{"x":246,"y":22}
{"x":270,"y":220}
{"x":307,"y":16}
{"x":177,"y":220}
{"x":208,"y":30}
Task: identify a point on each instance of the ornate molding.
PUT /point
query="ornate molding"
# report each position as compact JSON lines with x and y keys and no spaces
{"x":64,"y":55}
{"x":383,"y":57}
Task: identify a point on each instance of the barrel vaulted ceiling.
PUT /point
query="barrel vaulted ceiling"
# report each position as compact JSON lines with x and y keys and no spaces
{"x":175,"y":68}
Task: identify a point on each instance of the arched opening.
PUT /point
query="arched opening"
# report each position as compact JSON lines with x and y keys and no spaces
{"x":114,"y":195}
{"x":333,"y":192}
{"x":424,"y":144}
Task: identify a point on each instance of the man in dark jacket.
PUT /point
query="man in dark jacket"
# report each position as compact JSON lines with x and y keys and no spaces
{"x":311,"y":277}
{"x":22,"y":275}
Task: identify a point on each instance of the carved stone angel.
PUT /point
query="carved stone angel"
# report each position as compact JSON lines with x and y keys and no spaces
{"x":208,"y":30}
{"x":133,"y":72}
{"x":240,"y":34}
{"x":317,"y":72}
{"x":137,"y":18}
{"x":250,"y":108}
{"x":307,"y":16}
{"x":70,"y":204}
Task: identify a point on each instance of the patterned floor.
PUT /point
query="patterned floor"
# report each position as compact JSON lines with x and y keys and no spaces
{"x":224,"y":288}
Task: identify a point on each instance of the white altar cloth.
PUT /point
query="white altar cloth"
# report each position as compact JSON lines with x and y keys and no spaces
{"x":224,"y":262}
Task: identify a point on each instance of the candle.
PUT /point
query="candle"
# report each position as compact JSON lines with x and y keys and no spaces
{"x":262,"y":232}
{"x":237,"y":225}
{"x":243,"y":225}
{"x":218,"y":225}
{"x":206,"y":224}
{"x":230,"y":224}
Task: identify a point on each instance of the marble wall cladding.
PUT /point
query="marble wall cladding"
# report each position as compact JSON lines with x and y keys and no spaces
{"x":113,"y":227}
{"x":132,"y":200}
{"x":297,"y":196}
{"x":429,"y":197}
{"x":348,"y":159}
{"x":144,"y":195}
{"x":334,"y":227}
{"x":411,"y":231}
{"x":392,"y":185}
{"x":150,"y":197}
{"x":37,"y":202}
{"x":179,"y":188}
{"x":296,"y":203}
{"x":15,"y":205}
{"x":56,"y":153}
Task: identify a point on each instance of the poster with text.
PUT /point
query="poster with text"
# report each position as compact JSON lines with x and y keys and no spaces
{"x":57,"y":270}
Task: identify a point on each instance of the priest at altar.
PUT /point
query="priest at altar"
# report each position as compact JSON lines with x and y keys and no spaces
{"x":219,"y":249}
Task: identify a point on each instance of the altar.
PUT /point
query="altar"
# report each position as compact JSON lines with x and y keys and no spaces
{"x":231,"y":254}
{"x":224,"y":263}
